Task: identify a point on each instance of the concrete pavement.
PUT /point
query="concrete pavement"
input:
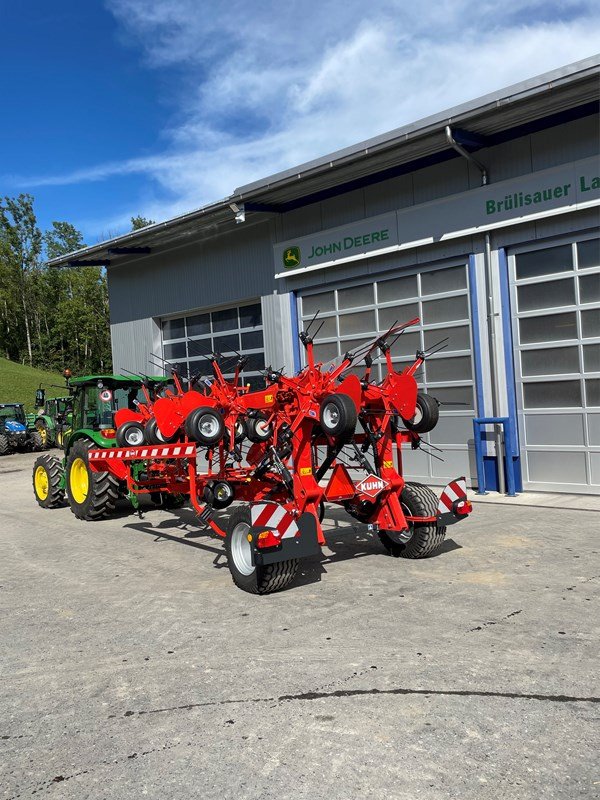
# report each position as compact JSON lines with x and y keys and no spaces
{"x":132,"y":667}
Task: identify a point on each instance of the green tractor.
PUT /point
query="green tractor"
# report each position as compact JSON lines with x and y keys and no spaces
{"x":90,"y":424}
{"x":14,"y":432}
{"x":52,"y":419}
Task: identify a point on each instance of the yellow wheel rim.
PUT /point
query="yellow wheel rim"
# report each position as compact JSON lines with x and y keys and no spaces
{"x":59,"y":438}
{"x":41,"y":483}
{"x":43,"y":434}
{"x":79,"y":480}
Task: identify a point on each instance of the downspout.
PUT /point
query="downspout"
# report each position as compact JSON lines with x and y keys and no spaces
{"x":491,"y":309}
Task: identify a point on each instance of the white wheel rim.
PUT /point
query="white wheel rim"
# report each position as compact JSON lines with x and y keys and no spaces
{"x":331,"y":415}
{"x":418,"y":415}
{"x":134,"y":437}
{"x":241,"y":551}
{"x":208,"y":425}
{"x":262,"y":428}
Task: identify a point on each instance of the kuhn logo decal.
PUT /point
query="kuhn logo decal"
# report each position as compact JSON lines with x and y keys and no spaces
{"x":371,"y":486}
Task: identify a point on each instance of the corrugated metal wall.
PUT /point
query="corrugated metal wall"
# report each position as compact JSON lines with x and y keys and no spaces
{"x":207,"y":273}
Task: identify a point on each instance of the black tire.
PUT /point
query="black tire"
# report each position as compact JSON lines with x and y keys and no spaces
{"x":418,"y":501}
{"x":52,"y":469}
{"x":36,"y":443}
{"x":255,"y":580}
{"x":103,"y":488}
{"x":131,"y":431}
{"x":153,"y":435}
{"x":240,"y":430}
{"x":219,"y":494}
{"x":4,"y":445}
{"x":426,"y":416}
{"x":45,"y":433}
{"x":337,"y":415}
{"x":257,"y":429}
{"x":205,"y":425}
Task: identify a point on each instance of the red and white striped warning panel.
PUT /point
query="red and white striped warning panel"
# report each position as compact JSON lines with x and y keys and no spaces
{"x":272,"y":515}
{"x":135,"y":453}
{"x":454,"y":493}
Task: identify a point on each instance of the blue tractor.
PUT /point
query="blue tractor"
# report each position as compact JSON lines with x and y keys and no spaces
{"x":14,"y":433}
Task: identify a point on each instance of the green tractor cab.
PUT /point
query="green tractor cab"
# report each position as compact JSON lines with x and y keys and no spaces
{"x":89,"y":423}
{"x":14,"y":431}
{"x":53,"y":418}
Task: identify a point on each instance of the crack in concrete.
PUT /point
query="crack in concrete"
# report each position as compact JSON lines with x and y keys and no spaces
{"x":338,"y":693}
{"x":496,"y":621}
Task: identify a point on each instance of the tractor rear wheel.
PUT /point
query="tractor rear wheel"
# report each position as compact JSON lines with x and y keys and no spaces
{"x":427,"y":414}
{"x":4,"y":445}
{"x":246,"y":576}
{"x":424,"y":538}
{"x":47,"y":479}
{"x":91,"y":495}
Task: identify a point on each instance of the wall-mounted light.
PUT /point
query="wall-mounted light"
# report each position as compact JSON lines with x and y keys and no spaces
{"x":239,"y":211}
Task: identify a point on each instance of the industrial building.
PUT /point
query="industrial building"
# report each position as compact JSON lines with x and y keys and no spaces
{"x":481,"y":220}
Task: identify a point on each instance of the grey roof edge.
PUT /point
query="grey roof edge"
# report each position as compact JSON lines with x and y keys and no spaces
{"x":535,"y":85}
{"x":531,"y":86}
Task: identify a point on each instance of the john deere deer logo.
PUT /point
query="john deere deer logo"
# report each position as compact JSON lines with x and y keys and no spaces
{"x":291,"y":257}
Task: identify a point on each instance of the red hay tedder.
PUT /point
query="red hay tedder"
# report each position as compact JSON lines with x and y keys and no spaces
{"x":323,"y":435}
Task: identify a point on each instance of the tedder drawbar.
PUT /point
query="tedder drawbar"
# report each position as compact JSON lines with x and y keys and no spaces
{"x":323,"y":435}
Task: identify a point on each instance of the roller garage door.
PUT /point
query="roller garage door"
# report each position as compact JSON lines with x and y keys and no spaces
{"x":354,"y":313}
{"x":185,"y":339}
{"x":555,"y":297}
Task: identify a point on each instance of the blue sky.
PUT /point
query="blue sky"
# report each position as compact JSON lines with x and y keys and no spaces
{"x":121,"y":107}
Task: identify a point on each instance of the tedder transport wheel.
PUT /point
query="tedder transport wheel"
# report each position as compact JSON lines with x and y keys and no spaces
{"x":253,"y":579}
{"x":205,"y":425}
{"x":258,"y":429}
{"x":426,"y":415}
{"x":130,"y":434}
{"x":418,"y":501}
{"x":4,"y":445}
{"x":154,"y":436}
{"x":91,"y":495}
{"x":337,"y":415}
{"x":47,"y":477}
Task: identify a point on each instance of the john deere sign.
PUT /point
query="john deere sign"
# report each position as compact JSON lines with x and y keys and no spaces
{"x":506,"y":203}
{"x":351,"y":240}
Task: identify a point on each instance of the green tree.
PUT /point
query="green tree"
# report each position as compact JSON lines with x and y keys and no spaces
{"x":21,"y":250}
{"x":140,"y":222}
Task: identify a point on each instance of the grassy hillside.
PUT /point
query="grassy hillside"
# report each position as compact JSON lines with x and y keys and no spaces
{"x":18,"y":383}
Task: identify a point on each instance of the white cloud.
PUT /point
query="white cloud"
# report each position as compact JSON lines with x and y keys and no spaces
{"x":265,"y":85}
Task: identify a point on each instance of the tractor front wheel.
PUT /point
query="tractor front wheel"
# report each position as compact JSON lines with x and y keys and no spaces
{"x":422,"y":539}
{"x":47,"y":482}
{"x":92,"y":495}
{"x":42,"y":429}
{"x":4,"y":445}
{"x":251,"y":577}
{"x":36,"y":441}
